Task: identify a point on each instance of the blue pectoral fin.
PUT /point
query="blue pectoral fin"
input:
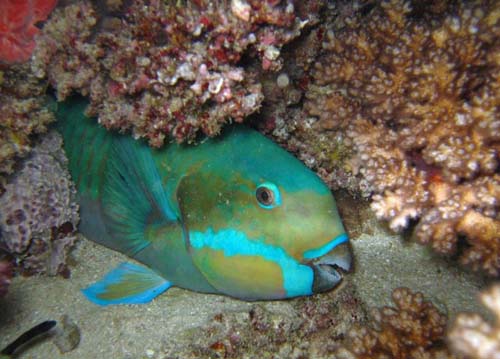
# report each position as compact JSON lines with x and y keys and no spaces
{"x":127,"y":284}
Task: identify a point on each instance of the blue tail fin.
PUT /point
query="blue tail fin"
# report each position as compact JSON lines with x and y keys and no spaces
{"x":127,"y":284}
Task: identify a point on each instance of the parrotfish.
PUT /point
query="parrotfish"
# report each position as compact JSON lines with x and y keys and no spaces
{"x":234,"y":215}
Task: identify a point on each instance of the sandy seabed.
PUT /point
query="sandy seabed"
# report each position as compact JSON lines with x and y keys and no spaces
{"x":383,"y":262}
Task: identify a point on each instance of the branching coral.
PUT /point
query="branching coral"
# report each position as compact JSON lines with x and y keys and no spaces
{"x":22,"y":115}
{"x":472,"y":336}
{"x":413,"y":94}
{"x":166,"y":70}
{"x":413,"y":329}
{"x":38,"y":214}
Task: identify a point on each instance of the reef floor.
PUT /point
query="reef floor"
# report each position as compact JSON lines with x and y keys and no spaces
{"x":180,"y":322}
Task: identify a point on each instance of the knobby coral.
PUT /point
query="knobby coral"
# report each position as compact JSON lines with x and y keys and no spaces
{"x":412,"y":329}
{"x":38,"y":214}
{"x":17,"y":27}
{"x":472,"y":336}
{"x":166,"y":70}
{"x":407,"y":98}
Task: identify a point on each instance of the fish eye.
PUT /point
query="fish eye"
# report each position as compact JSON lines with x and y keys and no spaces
{"x":265,"y":196}
{"x":268,"y":195}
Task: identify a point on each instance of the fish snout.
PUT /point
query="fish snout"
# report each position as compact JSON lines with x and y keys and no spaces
{"x":329,"y":268}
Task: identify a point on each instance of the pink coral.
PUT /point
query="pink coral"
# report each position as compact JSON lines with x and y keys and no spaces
{"x":17,"y":27}
{"x":166,"y":71}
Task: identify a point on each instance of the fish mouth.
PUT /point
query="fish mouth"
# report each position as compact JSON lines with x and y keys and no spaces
{"x":330,"y":268}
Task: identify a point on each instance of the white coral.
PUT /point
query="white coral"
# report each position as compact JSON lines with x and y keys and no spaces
{"x":472,"y":336}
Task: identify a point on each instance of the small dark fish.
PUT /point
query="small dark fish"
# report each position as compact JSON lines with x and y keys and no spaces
{"x":27,"y":337}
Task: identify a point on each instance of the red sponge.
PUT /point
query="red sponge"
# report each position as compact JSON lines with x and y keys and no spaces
{"x":17,"y":27}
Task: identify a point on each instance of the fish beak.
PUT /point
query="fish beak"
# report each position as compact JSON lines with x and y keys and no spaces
{"x":329,"y":268}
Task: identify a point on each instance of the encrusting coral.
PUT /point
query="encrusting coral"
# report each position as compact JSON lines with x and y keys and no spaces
{"x":164,"y":70}
{"x":403,"y":105}
{"x":472,"y":336}
{"x":22,"y":108}
{"x":39,"y":214}
{"x":414,"y":328}
{"x":23,"y":114}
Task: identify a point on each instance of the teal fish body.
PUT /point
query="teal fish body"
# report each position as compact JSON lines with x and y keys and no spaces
{"x":235,"y":215}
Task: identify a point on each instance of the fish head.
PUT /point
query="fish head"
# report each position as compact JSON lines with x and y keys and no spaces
{"x":260,"y":225}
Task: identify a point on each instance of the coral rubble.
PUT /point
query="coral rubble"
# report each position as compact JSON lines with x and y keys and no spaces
{"x":17,"y":27}
{"x":38,"y":214}
{"x":403,"y":105}
{"x":473,"y":337}
{"x":412,"y":329}
{"x":166,"y":70}
{"x":301,"y":328}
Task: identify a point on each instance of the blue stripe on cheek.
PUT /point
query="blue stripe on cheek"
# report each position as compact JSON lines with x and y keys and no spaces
{"x":318,"y":252}
{"x":297,"y":278}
